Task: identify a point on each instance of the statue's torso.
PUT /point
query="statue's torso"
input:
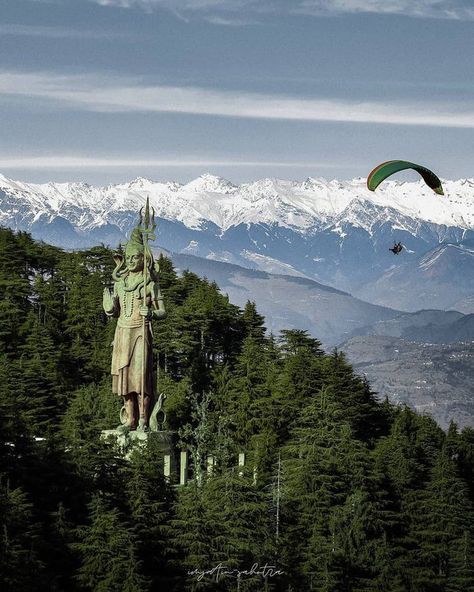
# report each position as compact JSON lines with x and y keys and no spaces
{"x":130,"y":299}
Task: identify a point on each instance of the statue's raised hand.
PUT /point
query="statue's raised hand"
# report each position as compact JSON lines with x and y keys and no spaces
{"x":107,"y":301}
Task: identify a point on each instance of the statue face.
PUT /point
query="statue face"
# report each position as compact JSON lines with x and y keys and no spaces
{"x":134,"y":261}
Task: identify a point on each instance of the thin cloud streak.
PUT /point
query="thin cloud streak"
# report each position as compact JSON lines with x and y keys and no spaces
{"x":177,"y":4}
{"x":86,"y":162}
{"x":231,"y":22}
{"x":92,"y":93}
{"x":47,"y":32}
{"x":438,"y":9}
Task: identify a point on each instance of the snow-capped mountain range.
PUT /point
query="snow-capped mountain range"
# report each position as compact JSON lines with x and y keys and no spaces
{"x":303,"y":206}
{"x":335,"y":232}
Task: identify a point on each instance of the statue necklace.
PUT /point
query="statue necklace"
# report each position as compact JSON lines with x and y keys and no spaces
{"x":129,"y":293}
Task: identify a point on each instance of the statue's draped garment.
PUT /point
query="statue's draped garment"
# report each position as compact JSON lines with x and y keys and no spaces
{"x":128,"y":345}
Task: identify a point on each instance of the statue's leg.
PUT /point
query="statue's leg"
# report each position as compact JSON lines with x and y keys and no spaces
{"x":147,"y":408}
{"x":146,"y":399}
{"x":130,"y":404}
{"x":145,"y":411}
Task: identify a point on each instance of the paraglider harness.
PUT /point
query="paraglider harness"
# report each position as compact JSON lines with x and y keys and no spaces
{"x":397,"y":248}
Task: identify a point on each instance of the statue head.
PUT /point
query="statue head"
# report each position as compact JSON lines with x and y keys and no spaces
{"x":132,"y":260}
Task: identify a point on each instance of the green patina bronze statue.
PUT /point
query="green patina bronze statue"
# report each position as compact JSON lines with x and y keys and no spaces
{"x":136,"y":299}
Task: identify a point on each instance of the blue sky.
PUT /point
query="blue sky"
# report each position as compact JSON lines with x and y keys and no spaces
{"x":107,"y":90}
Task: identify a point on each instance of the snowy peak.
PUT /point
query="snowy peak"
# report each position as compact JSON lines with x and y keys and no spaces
{"x":208,"y":183}
{"x":141,"y":183}
{"x":300,"y":206}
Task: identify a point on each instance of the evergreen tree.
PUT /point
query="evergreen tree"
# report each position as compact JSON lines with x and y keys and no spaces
{"x":108,"y":553}
{"x":223,"y":524}
{"x":315,"y":486}
{"x":39,"y":396}
{"x":442,"y":524}
{"x":62,"y":563}
{"x":14,"y":290}
{"x":302,"y":373}
{"x":355,"y":396}
{"x":20,"y":568}
{"x":254,"y":322}
{"x":192,"y":533}
{"x":248,"y":392}
{"x":150,"y":499}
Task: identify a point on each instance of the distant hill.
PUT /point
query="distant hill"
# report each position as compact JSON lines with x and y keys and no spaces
{"x":441,"y":278}
{"x":432,"y":378}
{"x":434,"y":326}
{"x":330,"y":315}
{"x":288,"y":301}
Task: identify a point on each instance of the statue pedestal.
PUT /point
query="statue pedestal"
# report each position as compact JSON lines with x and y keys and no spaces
{"x":129,"y":441}
{"x":125,"y":440}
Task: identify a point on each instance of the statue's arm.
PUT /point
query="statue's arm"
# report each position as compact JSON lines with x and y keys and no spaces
{"x":110,"y":303}
{"x":158,"y":305}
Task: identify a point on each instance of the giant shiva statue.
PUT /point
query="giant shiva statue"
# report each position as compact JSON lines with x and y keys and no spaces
{"x":135,"y":300}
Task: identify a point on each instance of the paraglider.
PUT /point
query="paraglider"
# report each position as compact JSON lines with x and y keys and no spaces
{"x":397,"y":248}
{"x":386,"y":169}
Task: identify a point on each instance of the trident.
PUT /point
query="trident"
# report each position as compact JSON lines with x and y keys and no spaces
{"x":147,"y":228}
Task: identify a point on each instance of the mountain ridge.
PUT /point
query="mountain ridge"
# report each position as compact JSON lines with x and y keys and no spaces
{"x":331,"y":315}
{"x":293,"y":203}
{"x":335,"y":232}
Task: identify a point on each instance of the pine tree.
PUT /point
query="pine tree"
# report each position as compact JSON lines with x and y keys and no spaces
{"x":92,"y":409}
{"x":20,"y":568}
{"x":39,"y":386}
{"x":254,"y":322}
{"x":62,"y":563}
{"x":150,"y":499}
{"x":85,"y":323}
{"x":14,"y":290}
{"x":319,"y":462}
{"x":248,"y":390}
{"x":443,"y":525}
{"x":355,"y":396}
{"x":302,"y":372}
{"x":108,"y":553}
{"x":192,"y":533}
{"x":168,"y":278}
{"x":222,"y":523}
{"x":240,"y":511}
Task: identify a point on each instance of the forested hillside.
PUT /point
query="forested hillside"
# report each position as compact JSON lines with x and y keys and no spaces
{"x":340,"y":492}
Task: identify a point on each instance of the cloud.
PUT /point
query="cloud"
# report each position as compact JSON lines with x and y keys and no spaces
{"x":216,"y":12}
{"x":178,"y":5}
{"x":441,"y":9}
{"x":207,"y":9}
{"x":86,"y":162}
{"x":57,"y":32}
{"x":121,"y":95}
{"x":232,"y":22}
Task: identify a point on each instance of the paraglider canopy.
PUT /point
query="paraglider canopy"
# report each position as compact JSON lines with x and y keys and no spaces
{"x":384,"y":170}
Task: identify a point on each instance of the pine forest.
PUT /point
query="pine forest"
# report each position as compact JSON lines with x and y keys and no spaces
{"x":341,"y":490}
